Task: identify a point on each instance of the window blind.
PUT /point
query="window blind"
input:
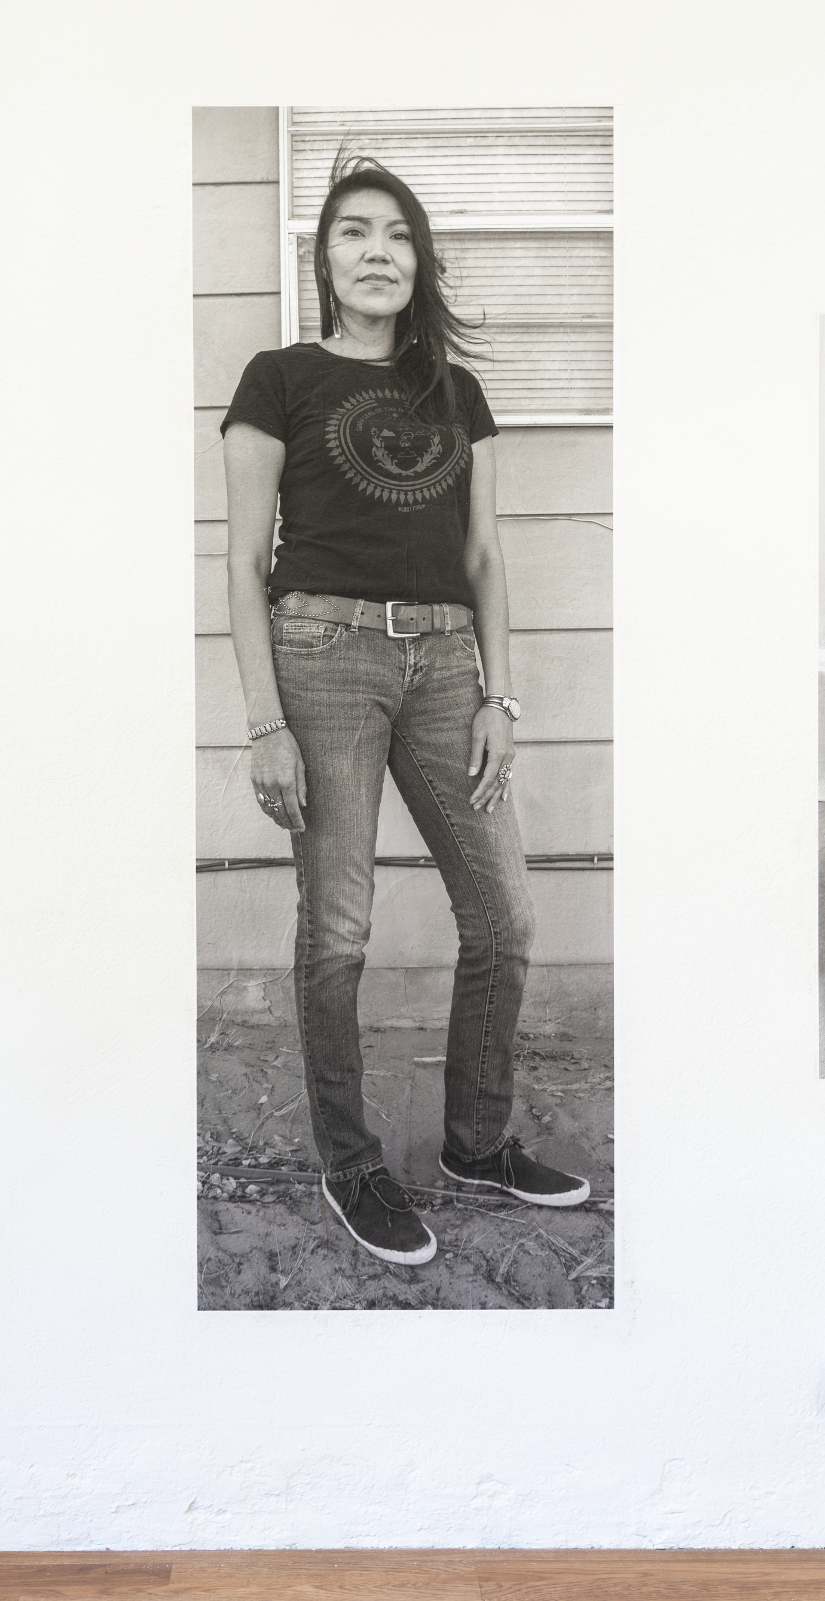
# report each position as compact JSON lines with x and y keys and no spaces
{"x":543,"y":302}
{"x":456,"y":171}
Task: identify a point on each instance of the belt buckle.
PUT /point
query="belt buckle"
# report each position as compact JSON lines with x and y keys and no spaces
{"x":410,"y":633}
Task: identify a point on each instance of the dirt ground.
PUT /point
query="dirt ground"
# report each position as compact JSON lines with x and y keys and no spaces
{"x":268,"y":1242}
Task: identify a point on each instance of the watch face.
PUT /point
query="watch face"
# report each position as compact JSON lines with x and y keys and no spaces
{"x":513,"y":708}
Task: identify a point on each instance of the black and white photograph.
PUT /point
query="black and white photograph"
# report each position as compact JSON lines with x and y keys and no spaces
{"x":403,"y":484}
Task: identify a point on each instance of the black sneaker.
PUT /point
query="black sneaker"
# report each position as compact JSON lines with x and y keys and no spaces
{"x":381,"y":1217}
{"x":511,"y":1170}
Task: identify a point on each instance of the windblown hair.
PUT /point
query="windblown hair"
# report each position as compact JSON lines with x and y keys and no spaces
{"x":426,"y":338}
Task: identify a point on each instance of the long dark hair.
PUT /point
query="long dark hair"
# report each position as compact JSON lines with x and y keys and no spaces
{"x":424,"y":336}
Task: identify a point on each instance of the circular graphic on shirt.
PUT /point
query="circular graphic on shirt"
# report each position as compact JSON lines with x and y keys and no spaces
{"x":388,"y":452}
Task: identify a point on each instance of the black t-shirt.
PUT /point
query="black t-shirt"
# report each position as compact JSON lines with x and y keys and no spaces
{"x":375,"y":503}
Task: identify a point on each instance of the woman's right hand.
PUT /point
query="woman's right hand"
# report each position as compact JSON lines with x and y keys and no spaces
{"x":279,"y":779}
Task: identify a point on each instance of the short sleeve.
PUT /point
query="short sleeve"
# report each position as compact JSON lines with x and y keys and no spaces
{"x":480,"y":418}
{"x":260,"y":398}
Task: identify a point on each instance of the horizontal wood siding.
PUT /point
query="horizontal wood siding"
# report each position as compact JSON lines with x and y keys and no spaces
{"x":554,"y":472}
{"x":210,"y":539}
{"x":235,"y":144}
{"x":563,"y":800}
{"x":210,"y":482}
{"x":564,"y":679}
{"x":547,"y":471}
{"x":229,"y":330}
{"x":236,"y":239}
{"x":246,"y":919}
{"x":558,"y":576}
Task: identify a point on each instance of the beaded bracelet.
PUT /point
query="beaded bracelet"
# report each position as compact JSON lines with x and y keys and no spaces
{"x":266,"y":728}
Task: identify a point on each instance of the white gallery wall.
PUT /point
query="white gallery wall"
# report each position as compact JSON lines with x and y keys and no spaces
{"x":693,"y":1414}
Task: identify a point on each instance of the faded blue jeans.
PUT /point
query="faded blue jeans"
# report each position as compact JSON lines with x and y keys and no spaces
{"x":358,"y":702}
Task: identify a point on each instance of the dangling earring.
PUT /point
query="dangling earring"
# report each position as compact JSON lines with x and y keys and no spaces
{"x":336,"y":326}
{"x":412,"y":314}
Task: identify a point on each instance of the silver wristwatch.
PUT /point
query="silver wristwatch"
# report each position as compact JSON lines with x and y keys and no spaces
{"x":506,"y":703}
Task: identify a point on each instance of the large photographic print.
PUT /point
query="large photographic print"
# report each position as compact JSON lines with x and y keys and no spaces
{"x":434,"y":1131}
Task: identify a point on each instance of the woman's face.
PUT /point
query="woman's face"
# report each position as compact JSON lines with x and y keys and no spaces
{"x":370,"y":255}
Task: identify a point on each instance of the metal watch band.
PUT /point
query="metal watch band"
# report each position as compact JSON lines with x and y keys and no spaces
{"x":266,"y":728}
{"x":502,"y":702}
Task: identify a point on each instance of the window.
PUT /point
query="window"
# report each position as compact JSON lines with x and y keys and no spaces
{"x":521,"y":202}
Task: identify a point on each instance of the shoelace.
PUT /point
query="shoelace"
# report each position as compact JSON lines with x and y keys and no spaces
{"x":371,"y":1181}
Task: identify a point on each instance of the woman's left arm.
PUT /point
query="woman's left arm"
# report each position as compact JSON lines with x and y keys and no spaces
{"x":484,"y":565}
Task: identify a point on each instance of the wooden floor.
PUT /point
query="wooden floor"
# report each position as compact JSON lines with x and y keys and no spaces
{"x":418,"y":1575}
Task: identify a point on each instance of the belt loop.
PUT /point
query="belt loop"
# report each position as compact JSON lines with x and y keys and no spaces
{"x":446,"y":618}
{"x":356,"y":616}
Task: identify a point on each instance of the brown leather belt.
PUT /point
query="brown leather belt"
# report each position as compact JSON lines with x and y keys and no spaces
{"x":400,"y":619}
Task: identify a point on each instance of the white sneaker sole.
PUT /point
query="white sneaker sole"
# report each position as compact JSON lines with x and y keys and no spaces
{"x":425,"y":1253}
{"x":565,"y":1198}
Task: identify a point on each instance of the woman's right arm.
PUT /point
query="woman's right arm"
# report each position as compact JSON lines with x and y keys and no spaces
{"x":254,"y":462}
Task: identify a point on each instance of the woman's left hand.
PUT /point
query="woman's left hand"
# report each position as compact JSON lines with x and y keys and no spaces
{"x":493,"y":735}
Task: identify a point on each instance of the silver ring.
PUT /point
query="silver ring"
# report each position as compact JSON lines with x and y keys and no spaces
{"x":505,"y":773}
{"x":276,"y":805}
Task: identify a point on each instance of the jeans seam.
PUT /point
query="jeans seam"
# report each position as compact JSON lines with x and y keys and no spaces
{"x":304,"y":888}
{"x":481,"y":1156}
{"x":341,"y":1176}
{"x":312,"y":650}
{"x":408,"y":663}
{"x":495,"y":939}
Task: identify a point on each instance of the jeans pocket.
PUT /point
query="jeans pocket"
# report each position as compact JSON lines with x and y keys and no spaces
{"x":303,"y":636}
{"x":466,"y":637}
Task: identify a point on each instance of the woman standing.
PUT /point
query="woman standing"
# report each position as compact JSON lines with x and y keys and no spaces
{"x":357,"y":653}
